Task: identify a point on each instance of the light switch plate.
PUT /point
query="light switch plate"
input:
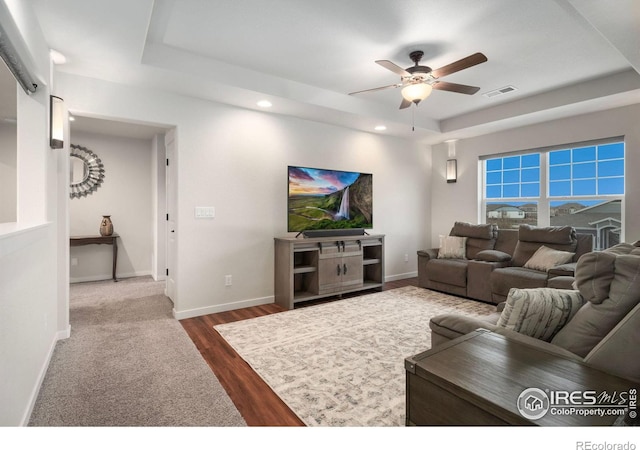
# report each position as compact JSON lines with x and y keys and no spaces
{"x":205,"y":212}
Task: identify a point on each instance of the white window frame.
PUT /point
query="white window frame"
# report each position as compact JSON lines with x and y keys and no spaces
{"x":544,"y":200}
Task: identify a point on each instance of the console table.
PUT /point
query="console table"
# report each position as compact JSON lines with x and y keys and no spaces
{"x":476,"y":379}
{"x":76,"y":241}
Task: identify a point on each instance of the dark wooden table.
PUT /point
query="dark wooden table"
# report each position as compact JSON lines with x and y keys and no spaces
{"x":76,"y":241}
{"x":478,"y":378}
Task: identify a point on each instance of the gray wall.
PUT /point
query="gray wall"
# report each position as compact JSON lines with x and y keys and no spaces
{"x":236,"y":161}
{"x":8,"y":153}
{"x":464,"y":194}
{"x":126,"y":195}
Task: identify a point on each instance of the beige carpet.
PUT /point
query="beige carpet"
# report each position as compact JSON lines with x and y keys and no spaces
{"x":342,"y":363}
{"x":128,"y":362}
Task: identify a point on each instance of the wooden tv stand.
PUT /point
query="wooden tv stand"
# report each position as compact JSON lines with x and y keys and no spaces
{"x":312,"y":268}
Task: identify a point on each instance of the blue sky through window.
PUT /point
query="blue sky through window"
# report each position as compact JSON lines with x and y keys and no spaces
{"x":592,"y":170}
{"x":513,"y":176}
{"x":581,"y":171}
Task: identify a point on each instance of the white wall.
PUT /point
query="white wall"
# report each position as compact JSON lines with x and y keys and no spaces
{"x":8,"y":172}
{"x":33,"y":304}
{"x":464,"y":194}
{"x":236,"y":161}
{"x":125,"y":195}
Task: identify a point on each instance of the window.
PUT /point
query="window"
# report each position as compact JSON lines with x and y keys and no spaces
{"x":581,"y":186}
{"x":509,"y":181}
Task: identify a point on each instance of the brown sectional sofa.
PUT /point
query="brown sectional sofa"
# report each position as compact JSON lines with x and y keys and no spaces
{"x":604,"y":332}
{"x":495,"y":258}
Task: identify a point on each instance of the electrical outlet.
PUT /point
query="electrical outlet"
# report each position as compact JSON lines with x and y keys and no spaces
{"x":205,"y":212}
{"x":74,"y":261}
{"x":227,"y":280}
{"x":406,"y":257}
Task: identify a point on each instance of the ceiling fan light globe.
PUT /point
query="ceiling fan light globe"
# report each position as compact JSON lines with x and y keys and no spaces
{"x":416,"y":92}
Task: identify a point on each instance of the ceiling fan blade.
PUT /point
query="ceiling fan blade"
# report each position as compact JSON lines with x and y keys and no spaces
{"x":464,"y":63}
{"x":405,"y":103}
{"x":393,"y":67}
{"x":377,"y":89}
{"x":455,"y":87}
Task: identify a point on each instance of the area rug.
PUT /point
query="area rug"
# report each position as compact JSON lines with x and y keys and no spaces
{"x":342,"y":363}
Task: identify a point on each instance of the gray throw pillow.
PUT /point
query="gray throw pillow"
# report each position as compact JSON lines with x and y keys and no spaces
{"x":546,"y":258}
{"x":540,"y":312}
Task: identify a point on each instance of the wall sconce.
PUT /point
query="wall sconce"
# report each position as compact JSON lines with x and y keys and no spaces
{"x":56,"y":122}
{"x":452,"y":170}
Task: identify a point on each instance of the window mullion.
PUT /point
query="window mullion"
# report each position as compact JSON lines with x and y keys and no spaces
{"x":544,"y":208}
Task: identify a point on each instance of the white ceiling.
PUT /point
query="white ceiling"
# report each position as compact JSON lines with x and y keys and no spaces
{"x":564,"y":56}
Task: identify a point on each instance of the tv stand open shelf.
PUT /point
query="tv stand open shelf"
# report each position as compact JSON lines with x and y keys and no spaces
{"x":312,"y":268}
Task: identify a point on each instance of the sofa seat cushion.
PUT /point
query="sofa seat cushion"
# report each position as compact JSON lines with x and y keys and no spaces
{"x":539,"y":312}
{"x":502,"y":280}
{"x":452,"y":326}
{"x":448,"y":271}
{"x":562,"y":282}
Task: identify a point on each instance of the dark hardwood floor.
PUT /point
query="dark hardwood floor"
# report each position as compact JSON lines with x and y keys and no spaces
{"x":255,"y":400}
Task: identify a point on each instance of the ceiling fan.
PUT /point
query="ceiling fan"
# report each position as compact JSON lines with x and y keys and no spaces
{"x":418,"y":81}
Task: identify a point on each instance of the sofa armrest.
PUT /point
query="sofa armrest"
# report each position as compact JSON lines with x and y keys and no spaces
{"x":494,"y":256}
{"x":429,"y":254}
{"x":564,"y":270}
{"x":537,"y":343}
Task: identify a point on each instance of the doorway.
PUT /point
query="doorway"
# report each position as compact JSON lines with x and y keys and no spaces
{"x":133,"y":193}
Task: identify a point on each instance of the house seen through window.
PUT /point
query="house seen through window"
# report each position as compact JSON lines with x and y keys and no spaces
{"x":581,"y":186}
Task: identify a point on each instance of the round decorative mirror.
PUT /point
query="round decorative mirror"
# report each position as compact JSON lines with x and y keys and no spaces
{"x":87,"y":171}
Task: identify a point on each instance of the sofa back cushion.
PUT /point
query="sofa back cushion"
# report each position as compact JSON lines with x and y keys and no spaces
{"x":507,"y":240}
{"x":619,"y":352}
{"x":598,"y":317}
{"x":585,"y":245}
{"x":479,"y":237}
{"x":531,"y":238}
{"x":594,"y":273}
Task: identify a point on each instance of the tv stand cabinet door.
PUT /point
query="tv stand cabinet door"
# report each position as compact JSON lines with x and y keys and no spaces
{"x":329,"y":273}
{"x":352,"y":272}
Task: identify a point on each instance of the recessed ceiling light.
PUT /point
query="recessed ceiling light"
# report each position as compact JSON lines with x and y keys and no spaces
{"x":380,"y":128}
{"x":264,"y":104}
{"x":71,"y":118}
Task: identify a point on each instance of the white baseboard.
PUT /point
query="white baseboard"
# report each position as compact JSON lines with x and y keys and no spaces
{"x":41,"y":374}
{"x":179,"y":315}
{"x":106,"y":277}
{"x":64,"y":334}
{"x":401,"y":276}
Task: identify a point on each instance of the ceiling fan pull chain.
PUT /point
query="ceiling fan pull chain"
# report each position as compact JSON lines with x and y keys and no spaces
{"x":413,"y":119}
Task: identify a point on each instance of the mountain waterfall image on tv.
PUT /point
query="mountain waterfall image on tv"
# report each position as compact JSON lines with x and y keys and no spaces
{"x":329,"y":199}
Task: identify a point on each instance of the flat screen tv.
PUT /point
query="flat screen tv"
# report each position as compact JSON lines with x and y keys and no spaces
{"x":329,"y":199}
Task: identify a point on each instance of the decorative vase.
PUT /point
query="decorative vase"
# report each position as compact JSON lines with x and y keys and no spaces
{"x":106,"y":226}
